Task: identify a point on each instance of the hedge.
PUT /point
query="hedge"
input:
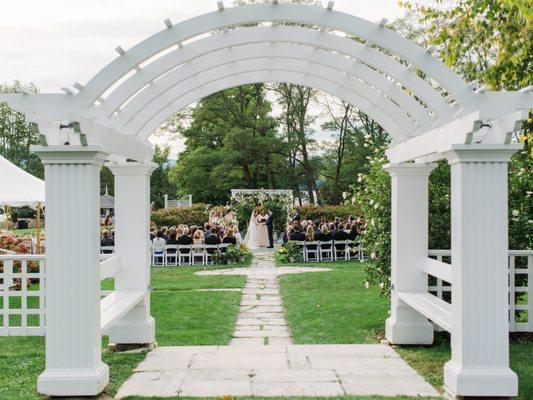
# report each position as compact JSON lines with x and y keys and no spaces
{"x":197,"y":214}
{"x":315,"y":212}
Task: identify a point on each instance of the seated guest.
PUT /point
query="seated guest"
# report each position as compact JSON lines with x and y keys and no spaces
{"x":159,"y":240}
{"x":153,"y":233}
{"x":207,"y":230}
{"x":316,"y":227}
{"x":352,"y":234}
{"x":288,"y":233}
{"x":237,"y":234}
{"x":198,"y":238}
{"x":340,"y":234}
{"x":193,"y":230}
{"x":325,"y":236}
{"x":212,"y":239}
{"x":164,"y":230}
{"x":297,"y":235}
{"x":184,"y":240}
{"x":107,"y":241}
{"x":229,"y":237}
{"x":172,"y":242}
{"x":310,"y":237}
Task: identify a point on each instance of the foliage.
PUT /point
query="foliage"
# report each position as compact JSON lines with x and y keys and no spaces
{"x":16,"y":135}
{"x":290,"y":252}
{"x":197,"y":214}
{"x":232,"y":255}
{"x":520,"y":201}
{"x":160,"y":183}
{"x":315,"y":212}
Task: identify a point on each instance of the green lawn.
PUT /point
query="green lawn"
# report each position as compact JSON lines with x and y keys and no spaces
{"x":335,"y":307}
{"x":183,"y":316}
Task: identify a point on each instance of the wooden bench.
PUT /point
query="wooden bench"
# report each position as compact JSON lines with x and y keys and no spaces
{"x":116,"y":305}
{"x":435,"y":309}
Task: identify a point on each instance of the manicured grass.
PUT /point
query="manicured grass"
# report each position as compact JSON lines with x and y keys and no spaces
{"x":184,"y":316}
{"x":335,"y":307}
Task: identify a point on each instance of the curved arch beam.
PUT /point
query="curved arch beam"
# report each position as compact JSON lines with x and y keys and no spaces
{"x":276,"y":36}
{"x":183,"y":79}
{"x":292,"y":13}
{"x":144,"y":127}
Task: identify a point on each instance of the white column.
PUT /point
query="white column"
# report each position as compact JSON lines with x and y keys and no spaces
{"x":409,"y":249}
{"x":132,"y":246}
{"x":480,"y":330}
{"x":73,"y":339}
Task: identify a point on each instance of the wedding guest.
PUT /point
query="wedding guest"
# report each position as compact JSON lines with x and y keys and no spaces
{"x":107,"y":241}
{"x":288,"y":233}
{"x":164,"y":231}
{"x":172,"y":242}
{"x":193,"y":229}
{"x":297,"y":235}
{"x":237,"y":234}
{"x":159,"y":240}
{"x":153,"y":234}
{"x":310,"y":237}
{"x":184,"y":240}
{"x":229,"y":237}
{"x":207,"y":230}
{"x":352,"y":234}
{"x":212,"y":239}
{"x":325,"y":236}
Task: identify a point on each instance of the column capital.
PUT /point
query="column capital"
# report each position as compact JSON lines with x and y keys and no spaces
{"x":409,"y":169}
{"x":479,"y":153}
{"x":131,"y":168}
{"x":70,"y":154}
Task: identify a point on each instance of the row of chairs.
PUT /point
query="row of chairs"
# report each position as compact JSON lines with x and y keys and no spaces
{"x":333,"y":250}
{"x":193,"y":254}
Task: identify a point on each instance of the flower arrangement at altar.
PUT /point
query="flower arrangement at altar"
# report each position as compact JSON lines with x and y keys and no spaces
{"x":243,"y":202}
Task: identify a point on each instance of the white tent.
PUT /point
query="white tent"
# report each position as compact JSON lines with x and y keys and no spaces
{"x":19,"y":188}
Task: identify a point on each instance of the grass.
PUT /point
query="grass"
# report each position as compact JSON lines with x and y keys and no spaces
{"x":184,"y":316}
{"x":335,"y":307}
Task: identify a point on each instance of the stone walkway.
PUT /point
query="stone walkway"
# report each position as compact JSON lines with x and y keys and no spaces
{"x":262,"y":361}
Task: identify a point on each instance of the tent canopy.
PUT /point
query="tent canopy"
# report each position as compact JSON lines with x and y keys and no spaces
{"x":19,"y":188}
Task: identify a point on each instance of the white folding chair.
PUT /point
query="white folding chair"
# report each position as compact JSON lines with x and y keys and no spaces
{"x":198,"y":253}
{"x":208,"y":257}
{"x":311,"y":252}
{"x":342,"y":250}
{"x":158,"y":256}
{"x":326,"y":251}
{"x":184,"y":255}
{"x":171,"y":257}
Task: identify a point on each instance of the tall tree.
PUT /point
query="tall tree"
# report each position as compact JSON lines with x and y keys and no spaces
{"x":16,"y":135}
{"x":160,"y":183}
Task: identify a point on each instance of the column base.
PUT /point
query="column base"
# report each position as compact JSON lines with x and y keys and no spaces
{"x":133,"y":332}
{"x":486,"y":382}
{"x":74,"y":382}
{"x":408,"y":332}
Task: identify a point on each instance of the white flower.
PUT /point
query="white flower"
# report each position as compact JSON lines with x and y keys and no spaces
{"x":372,"y":222}
{"x":515,"y":213}
{"x":360,"y":179}
{"x":381,"y":285}
{"x":367,"y":284}
{"x":371,"y":202}
{"x":376,"y":206}
{"x":373,"y":255}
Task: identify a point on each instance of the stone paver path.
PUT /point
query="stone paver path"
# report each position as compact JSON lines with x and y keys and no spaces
{"x":262,"y":361}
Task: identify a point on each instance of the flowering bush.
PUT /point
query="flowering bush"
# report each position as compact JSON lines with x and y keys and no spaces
{"x":290,"y":252}
{"x":197,"y":214}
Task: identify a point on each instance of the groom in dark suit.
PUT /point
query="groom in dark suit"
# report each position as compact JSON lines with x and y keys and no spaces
{"x":270,"y":227}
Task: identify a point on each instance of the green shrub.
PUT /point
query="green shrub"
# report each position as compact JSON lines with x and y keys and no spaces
{"x":197,"y":214}
{"x":233,"y":254}
{"x":290,"y":252}
{"x":314,"y":212}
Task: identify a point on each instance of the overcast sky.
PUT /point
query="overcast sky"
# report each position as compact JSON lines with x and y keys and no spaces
{"x":54,"y":43}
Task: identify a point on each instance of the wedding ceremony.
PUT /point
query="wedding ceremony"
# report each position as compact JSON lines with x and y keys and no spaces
{"x":266,"y":199}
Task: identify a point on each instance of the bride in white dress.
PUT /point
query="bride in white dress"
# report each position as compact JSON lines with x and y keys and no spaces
{"x":256,"y":235}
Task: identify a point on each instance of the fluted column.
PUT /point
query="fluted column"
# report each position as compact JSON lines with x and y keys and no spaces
{"x":480,"y":327}
{"x":132,"y":246}
{"x":409,"y":249}
{"x":73,"y":339}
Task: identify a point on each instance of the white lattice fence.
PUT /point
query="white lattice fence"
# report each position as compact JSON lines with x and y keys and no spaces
{"x":520,"y":287}
{"x":22,"y":300}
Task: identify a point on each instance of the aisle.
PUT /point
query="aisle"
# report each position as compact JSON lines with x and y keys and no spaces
{"x":261,"y":319}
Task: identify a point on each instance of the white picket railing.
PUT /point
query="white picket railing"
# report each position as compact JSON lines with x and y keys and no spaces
{"x":520,"y":297}
{"x":22,"y":288}
{"x":23,"y":310}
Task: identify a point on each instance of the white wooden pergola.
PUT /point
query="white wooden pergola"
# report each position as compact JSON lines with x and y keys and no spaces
{"x":428,"y":110}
